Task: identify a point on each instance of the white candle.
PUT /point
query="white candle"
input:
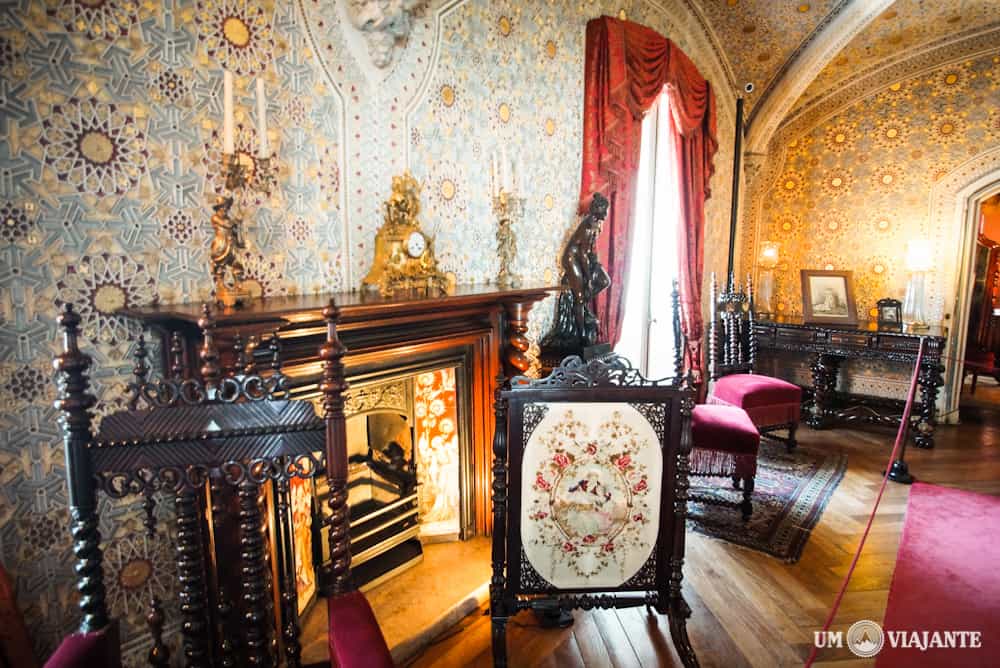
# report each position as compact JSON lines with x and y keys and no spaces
{"x":518,"y":178}
{"x":228,"y":143}
{"x":262,"y":147}
{"x":504,"y":170}
{"x":493,"y":175}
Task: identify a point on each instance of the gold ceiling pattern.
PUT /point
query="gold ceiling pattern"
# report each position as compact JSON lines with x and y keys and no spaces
{"x":905,"y":29}
{"x":758,"y":37}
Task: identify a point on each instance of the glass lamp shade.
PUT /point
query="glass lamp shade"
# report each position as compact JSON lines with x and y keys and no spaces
{"x":767,"y":261}
{"x":919,"y":260}
{"x":919,"y":255}
{"x":769,"y":254}
{"x":914,"y":314}
{"x":764,"y":299}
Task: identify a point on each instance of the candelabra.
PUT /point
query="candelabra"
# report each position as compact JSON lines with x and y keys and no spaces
{"x":508,"y":209}
{"x":240,"y":172}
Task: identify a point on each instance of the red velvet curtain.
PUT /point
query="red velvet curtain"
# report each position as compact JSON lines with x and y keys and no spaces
{"x":627,"y":67}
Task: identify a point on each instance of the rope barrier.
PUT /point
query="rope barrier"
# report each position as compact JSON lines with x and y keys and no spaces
{"x":900,"y":440}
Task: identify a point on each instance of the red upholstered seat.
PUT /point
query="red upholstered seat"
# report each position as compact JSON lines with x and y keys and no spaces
{"x":99,"y":649}
{"x":768,"y":401}
{"x":724,"y":428}
{"x":725,"y":442}
{"x":355,"y":638}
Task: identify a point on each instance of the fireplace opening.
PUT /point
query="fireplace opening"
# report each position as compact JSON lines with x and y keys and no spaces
{"x":405,"y":460}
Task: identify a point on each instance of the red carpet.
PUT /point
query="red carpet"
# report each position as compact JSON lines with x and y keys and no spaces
{"x":947,"y":578}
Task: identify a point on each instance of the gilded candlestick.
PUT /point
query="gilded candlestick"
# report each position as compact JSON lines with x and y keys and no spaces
{"x":508,"y":208}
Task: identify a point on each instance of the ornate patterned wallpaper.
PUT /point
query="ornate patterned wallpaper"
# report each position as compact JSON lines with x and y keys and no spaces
{"x":110,"y":131}
{"x":849,"y":190}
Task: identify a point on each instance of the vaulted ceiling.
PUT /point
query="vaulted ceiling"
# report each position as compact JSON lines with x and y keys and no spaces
{"x":944,"y":29}
{"x":760,"y":37}
{"x":764,"y":40}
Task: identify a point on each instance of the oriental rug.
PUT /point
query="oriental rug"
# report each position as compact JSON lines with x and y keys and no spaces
{"x":790,"y":494}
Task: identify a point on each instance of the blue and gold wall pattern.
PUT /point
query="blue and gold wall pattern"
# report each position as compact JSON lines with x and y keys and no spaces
{"x":110,"y":139}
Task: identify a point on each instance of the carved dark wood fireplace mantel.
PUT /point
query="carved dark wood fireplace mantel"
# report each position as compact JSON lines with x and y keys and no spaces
{"x":478,"y":330}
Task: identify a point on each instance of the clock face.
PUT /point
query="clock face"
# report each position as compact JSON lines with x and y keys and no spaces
{"x":416,"y":244}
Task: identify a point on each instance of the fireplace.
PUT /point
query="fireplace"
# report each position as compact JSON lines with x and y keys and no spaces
{"x":422,"y":370}
{"x":406,"y":447}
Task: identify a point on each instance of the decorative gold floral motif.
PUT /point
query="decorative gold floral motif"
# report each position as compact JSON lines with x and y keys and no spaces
{"x":840,"y":137}
{"x":97,"y":19}
{"x":237,"y":33}
{"x":93,"y":146}
{"x":98,"y":285}
{"x":837,"y":182}
{"x":887,"y":178}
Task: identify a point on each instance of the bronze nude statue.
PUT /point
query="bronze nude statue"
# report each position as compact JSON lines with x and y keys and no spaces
{"x":576,"y":326}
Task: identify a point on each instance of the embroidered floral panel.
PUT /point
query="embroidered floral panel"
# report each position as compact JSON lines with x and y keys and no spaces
{"x":591,"y":494}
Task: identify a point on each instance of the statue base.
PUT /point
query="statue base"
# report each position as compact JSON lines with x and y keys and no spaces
{"x":231,"y":297}
{"x":596,"y":351}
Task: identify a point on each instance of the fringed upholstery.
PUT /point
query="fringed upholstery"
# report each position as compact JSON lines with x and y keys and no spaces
{"x":725,"y":444}
{"x":722,"y":464}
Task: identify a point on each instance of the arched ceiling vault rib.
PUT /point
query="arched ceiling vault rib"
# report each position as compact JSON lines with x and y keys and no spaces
{"x":807,"y":64}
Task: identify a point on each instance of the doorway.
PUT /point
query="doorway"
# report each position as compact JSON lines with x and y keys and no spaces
{"x":972,"y":261}
{"x":981,"y":361}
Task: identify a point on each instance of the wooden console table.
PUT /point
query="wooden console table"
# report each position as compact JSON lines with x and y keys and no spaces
{"x":483,"y":325}
{"x":831,"y":345}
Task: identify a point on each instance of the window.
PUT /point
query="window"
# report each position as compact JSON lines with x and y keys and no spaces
{"x":647,"y":332}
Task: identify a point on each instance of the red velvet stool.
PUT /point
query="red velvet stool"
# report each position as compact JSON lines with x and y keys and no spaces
{"x":771,"y":403}
{"x":725,"y":443}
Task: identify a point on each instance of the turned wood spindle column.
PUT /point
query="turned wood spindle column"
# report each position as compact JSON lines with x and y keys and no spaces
{"x":333,"y":387}
{"x":75,"y":402}
{"x":516,"y":362}
{"x":254,"y":576}
{"x":191,"y":575}
{"x":498,"y":580}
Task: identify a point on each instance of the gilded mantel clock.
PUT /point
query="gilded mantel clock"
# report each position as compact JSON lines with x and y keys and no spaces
{"x":404,"y":255}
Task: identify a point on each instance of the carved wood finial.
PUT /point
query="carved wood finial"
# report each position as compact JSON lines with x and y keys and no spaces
{"x":713,"y":337}
{"x":210,"y":369}
{"x":275,"y":347}
{"x":159,"y":653}
{"x":176,"y":356}
{"x":675,"y":307}
{"x":240,"y":356}
{"x":75,"y":402}
{"x":333,"y":387}
{"x":252,"y":343}
{"x":751,"y":334}
{"x":140,"y":371}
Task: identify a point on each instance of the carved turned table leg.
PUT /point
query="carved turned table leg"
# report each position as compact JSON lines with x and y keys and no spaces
{"x":824,"y":372}
{"x":930,"y":380}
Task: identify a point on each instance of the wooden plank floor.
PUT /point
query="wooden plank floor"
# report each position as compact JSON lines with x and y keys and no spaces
{"x":750,"y":609}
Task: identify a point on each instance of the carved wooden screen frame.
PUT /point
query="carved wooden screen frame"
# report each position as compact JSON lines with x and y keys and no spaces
{"x":608,"y":380}
{"x":167,"y":447}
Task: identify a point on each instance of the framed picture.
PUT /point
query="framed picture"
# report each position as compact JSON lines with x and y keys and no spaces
{"x":828,"y":298}
{"x":890,"y":313}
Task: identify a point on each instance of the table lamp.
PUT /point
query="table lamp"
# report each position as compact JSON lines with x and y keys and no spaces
{"x":768,"y":260}
{"x":919,"y":261}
